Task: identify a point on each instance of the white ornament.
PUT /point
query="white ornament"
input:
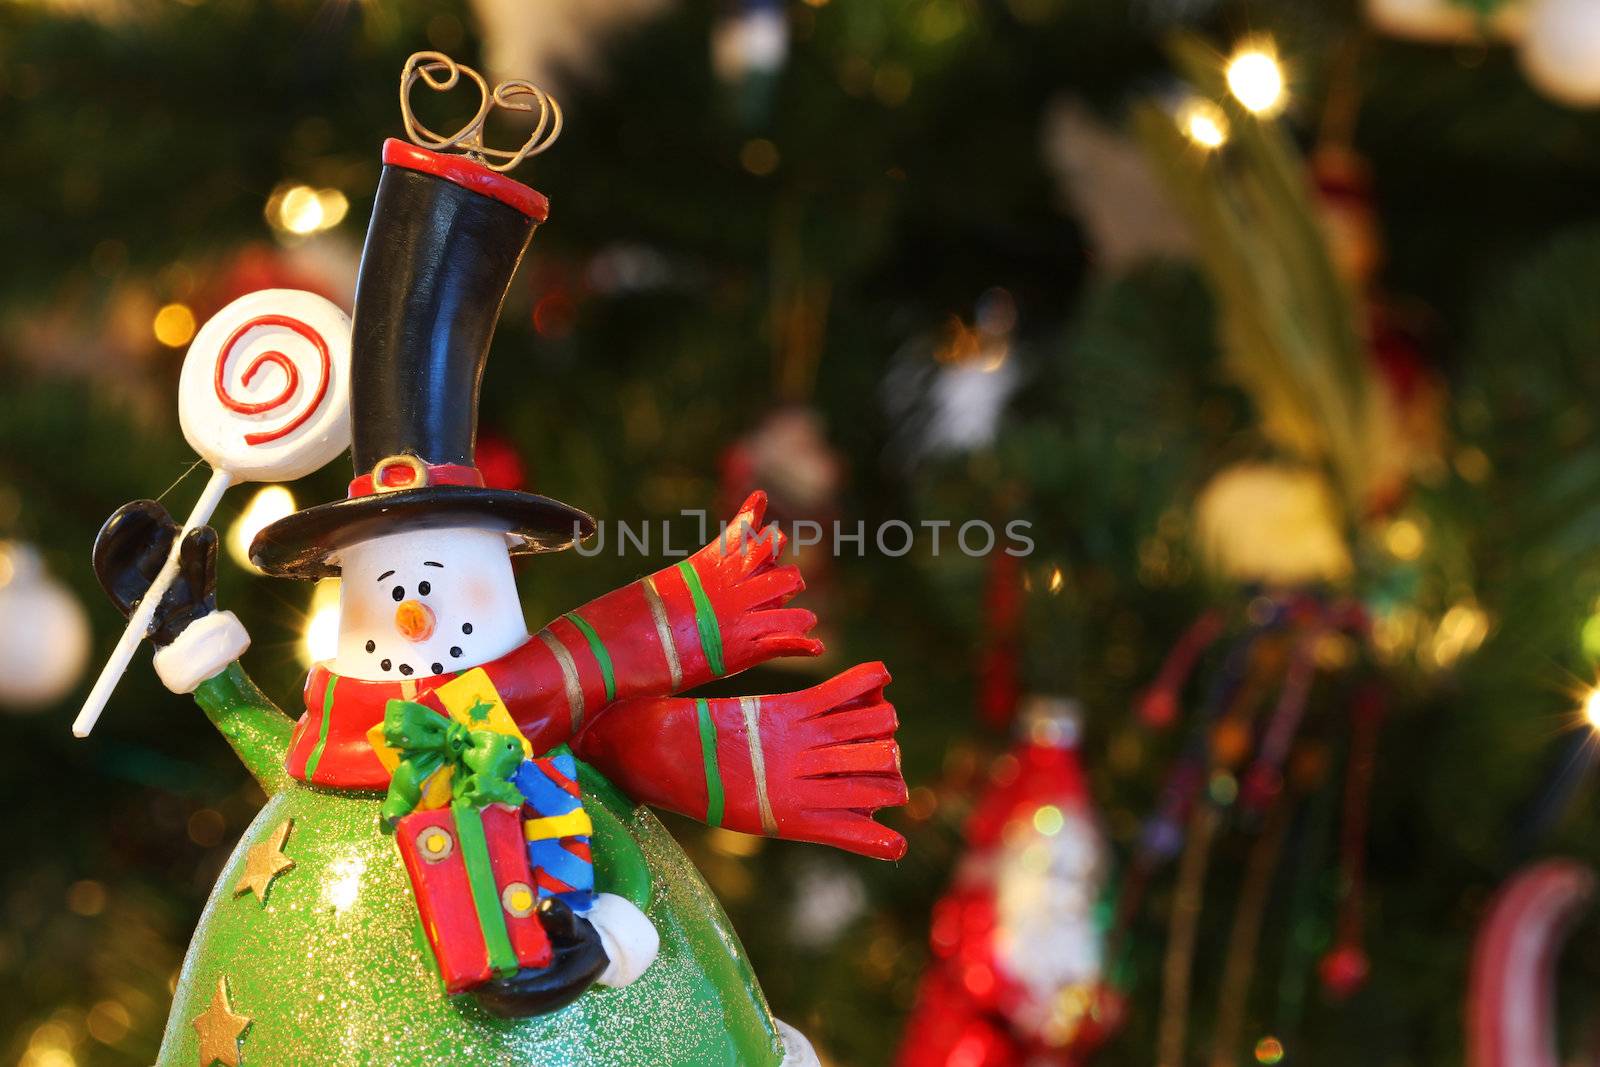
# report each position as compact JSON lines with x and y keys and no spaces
{"x":44,"y":633}
{"x":417,"y":599}
{"x":264,"y":396}
{"x":754,"y":40}
{"x":1445,"y":21}
{"x":1561,"y":50}
{"x":544,"y":41}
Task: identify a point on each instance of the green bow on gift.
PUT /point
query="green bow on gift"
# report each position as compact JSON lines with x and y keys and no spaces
{"x":484,"y":760}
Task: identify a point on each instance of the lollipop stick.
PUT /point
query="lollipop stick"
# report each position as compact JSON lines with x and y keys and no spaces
{"x":139,"y":621}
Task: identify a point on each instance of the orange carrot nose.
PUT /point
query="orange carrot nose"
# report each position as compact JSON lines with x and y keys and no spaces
{"x":414,"y":620}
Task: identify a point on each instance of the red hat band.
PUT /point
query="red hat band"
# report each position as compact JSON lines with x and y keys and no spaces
{"x":394,"y":473}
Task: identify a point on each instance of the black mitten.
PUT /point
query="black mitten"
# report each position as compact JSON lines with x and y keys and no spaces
{"x":129,"y":552}
{"x":577,"y":959}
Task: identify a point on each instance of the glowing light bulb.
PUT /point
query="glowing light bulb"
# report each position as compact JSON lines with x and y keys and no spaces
{"x":321,"y":638}
{"x":270,"y":504}
{"x":1591,"y":708}
{"x":1203,"y":123}
{"x":1256,"y":80}
{"x":301,"y":210}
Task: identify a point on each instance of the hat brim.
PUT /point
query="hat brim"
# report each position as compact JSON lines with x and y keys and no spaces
{"x":300,"y":545}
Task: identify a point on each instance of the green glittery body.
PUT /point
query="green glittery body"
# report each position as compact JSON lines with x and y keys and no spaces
{"x":333,"y":968}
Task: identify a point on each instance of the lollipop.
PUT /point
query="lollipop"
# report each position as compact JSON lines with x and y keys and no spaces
{"x":264,"y":396}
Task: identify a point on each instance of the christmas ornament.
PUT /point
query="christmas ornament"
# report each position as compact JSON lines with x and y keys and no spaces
{"x":789,"y":454}
{"x":1449,"y":21}
{"x":949,"y":391}
{"x":45,"y":639}
{"x":749,"y":46}
{"x":1269,"y":522}
{"x":1557,"y":41}
{"x":1560,"y":50}
{"x":453,"y":866}
{"x":1511,"y":1009}
{"x":1108,"y":182}
{"x":1018,"y":971}
{"x":557,"y":38}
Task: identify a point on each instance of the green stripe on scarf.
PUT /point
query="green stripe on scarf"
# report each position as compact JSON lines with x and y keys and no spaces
{"x":705,"y":620}
{"x":601,"y":656}
{"x":715,"y":799}
{"x":322,"y":737}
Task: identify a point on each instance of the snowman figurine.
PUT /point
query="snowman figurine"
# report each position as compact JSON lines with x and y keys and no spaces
{"x":328,"y":932}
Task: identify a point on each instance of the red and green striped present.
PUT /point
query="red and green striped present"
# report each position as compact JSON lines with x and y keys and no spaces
{"x":475,"y":890}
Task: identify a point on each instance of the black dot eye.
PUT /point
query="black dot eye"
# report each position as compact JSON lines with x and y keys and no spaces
{"x":437,"y":668}
{"x":372,"y":646}
{"x":424,"y":588}
{"x":398,"y":592}
{"x":466,"y":627}
{"x":405,"y":668}
{"x":385,"y":664}
{"x":455,"y":650}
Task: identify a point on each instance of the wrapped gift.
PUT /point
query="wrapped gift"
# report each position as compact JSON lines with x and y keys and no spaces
{"x":557,"y":828}
{"x":475,"y":891}
{"x":468,"y":860}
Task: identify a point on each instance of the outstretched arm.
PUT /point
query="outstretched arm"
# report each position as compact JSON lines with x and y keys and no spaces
{"x":716,"y":613}
{"x":257,"y":728}
{"x":806,"y":766}
{"x":197,"y":646}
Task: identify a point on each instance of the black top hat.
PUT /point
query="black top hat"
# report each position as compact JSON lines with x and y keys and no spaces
{"x":445,"y":238}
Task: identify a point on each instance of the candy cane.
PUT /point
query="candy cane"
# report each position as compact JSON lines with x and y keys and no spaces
{"x":264,"y":396}
{"x":1511,"y":999}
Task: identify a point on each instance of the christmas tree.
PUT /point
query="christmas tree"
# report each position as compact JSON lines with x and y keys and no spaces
{"x":1214,"y":343}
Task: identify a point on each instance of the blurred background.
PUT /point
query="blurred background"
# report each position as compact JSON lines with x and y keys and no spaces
{"x":1277,"y":322}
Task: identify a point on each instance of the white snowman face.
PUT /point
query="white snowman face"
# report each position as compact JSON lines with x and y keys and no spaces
{"x":425,"y":602}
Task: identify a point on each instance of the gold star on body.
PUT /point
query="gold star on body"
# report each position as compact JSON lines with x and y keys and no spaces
{"x":220,"y":1029}
{"x":264,"y":862}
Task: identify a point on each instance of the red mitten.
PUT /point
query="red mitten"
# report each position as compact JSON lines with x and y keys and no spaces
{"x":806,"y":766}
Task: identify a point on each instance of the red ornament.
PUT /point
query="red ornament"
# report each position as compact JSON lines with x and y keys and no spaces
{"x":500,"y":463}
{"x":1343,"y":971}
{"x":1017,"y":972}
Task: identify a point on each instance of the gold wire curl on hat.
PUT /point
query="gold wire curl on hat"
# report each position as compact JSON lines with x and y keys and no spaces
{"x":441,"y":74}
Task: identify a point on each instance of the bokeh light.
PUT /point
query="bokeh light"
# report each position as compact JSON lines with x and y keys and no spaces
{"x":174,"y":325}
{"x":1203,"y":123}
{"x":1255,"y":78}
{"x":321,"y":637}
{"x":271,"y":503}
{"x":1269,"y":1050}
